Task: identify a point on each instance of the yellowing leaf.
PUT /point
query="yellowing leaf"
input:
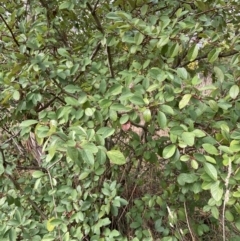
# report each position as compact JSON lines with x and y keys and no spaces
{"x":234,"y":91}
{"x":116,"y":157}
{"x":147,"y":116}
{"x":50,"y":227}
{"x":184,"y":101}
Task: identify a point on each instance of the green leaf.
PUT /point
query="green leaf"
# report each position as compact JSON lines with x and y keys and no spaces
{"x":229,"y":216}
{"x":235,"y":146}
{"x":101,"y":156}
{"x":169,"y":151}
{"x":27,"y":123}
{"x":174,"y":50}
{"x":198,"y":133}
{"x":210,"y":159}
{"x":84,"y":175}
{"x":113,"y":15}
{"x":237,"y":223}
{"x":115,"y":89}
{"x":138,"y":38}
{"x":152,"y":87}
{"x":188,"y":138}
{"x":66,"y":237}
{"x":66,"y":5}
{"x":210,"y":170}
{"x":176,"y":130}
{"x":71,"y":101}
{"x":157,"y":74}
{"x":162,"y":120}
{"x":215,"y":212}
{"x":213,"y":54}
{"x":182,"y":73}
{"x":234,"y":91}
{"x":12,"y":234}
{"x":87,"y":157}
{"x":209,"y":148}
{"x":147,"y":116}
{"x":184,"y":101}
{"x":164,"y":39}
{"x":116,"y":157}
{"x":72,"y":152}
{"x":193,"y":52}
{"x":90,"y":147}
{"x":236,"y":134}
{"x":167,"y":109}
{"x":144,"y":9}
{"x":216,"y":191}
{"x":124,"y":119}
{"x":120,"y":107}
{"x":187,"y":178}
{"x":219,"y":74}
{"x":137,"y":100}
{"x":72,"y":89}
{"x":194,"y":164}
{"x":16,"y":95}
{"x":89,"y":111}
{"x":63,"y":52}
{"x":106,"y":131}
{"x":37,"y":174}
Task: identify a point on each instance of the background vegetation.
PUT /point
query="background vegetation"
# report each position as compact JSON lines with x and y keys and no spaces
{"x":119,"y":120}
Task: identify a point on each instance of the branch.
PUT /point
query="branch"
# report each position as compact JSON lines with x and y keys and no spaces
{"x":32,"y":168}
{"x":226,"y":198}
{"x":17,"y":186}
{"x":139,"y":126}
{"x":223,"y":55}
{"x":34,"y":205}
{"x":95,"y":6}
{"x":15,"y":40}
{"x":94,"y":53}
{"x":62,"y":90}
{"x":110,"y":62}
{"x":46,"y":105}
{"x":188,"y":224}
{"x":100,"y":28}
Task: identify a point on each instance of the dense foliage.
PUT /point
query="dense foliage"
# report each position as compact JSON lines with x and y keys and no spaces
{"x":119,"y":120}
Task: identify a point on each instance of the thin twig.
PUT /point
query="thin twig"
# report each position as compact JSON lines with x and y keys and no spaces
{"x":100,"y":28}
{"x":15,"y":40}
{"x":94,"y":53}
{"x":223,"y":55}
{"x":9,"y":139}
{"x":226,"y":198}
{"x":95,"y":6}
{"x":188,"y":224}
{"x":54,"y":201}
{"x":18,"y":187}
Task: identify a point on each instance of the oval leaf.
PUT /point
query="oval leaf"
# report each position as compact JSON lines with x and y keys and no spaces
{"x":116,"y":157}
{"x":27,"y":123}
{"x":234,"y":91}
{"x":188,"y":138}
{"x":37,"y":174}
{"x":211,"y":171}
{"x":209,"y":148}
{"x":169,"y":151}
{"x":184,"y":101}
{"x":193,"y":52}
